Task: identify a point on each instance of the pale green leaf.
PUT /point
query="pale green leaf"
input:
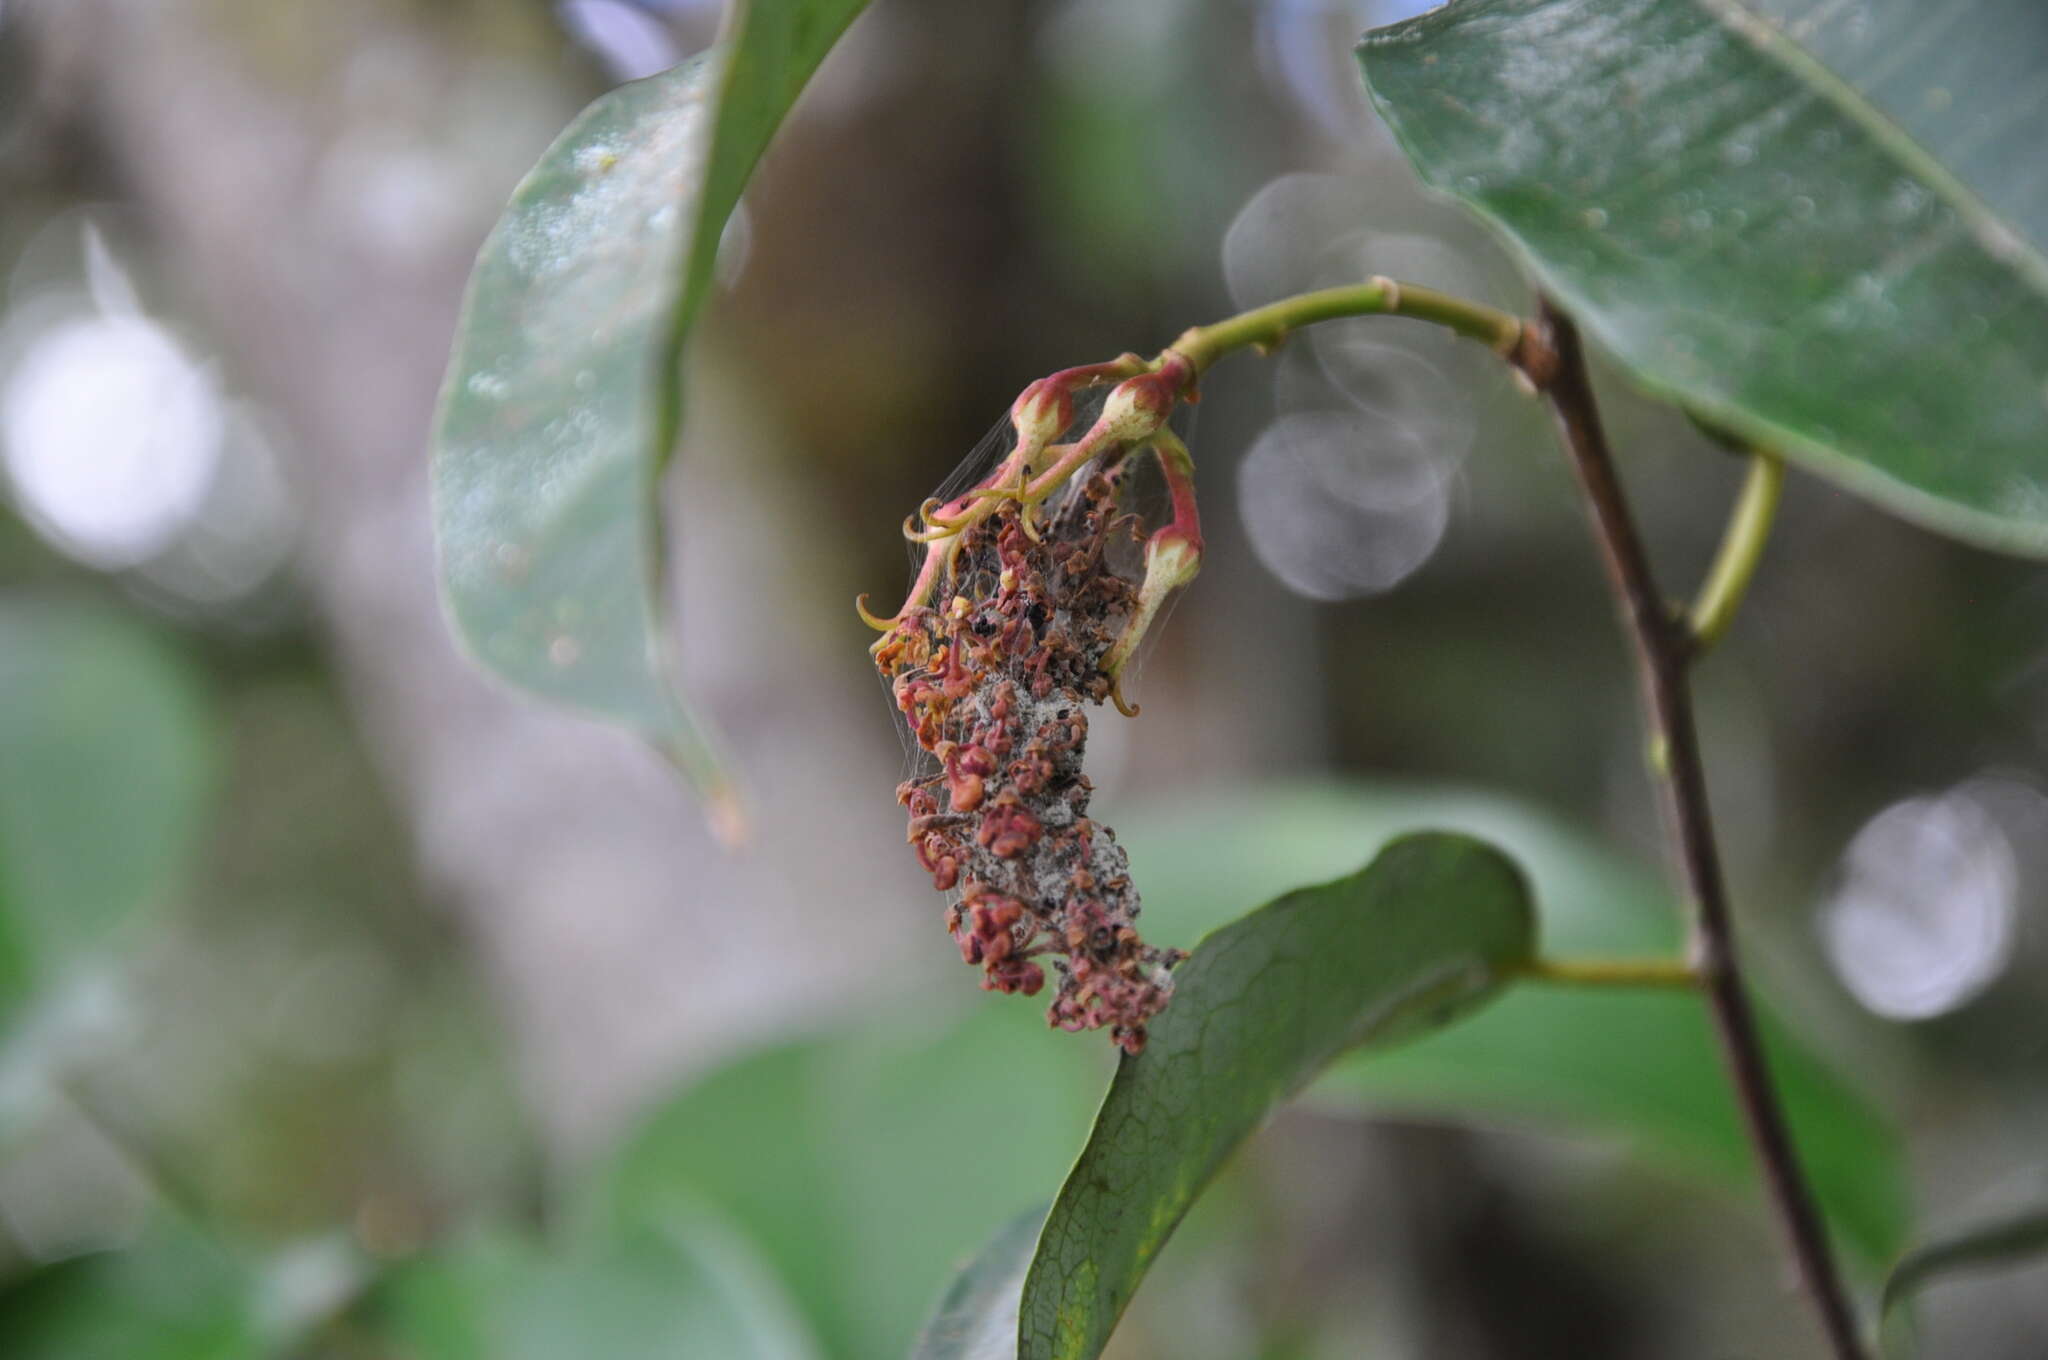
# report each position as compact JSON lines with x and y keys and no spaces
{"x":689,"y":1287}
{"x":563,"y":398}
{"x":977,"y":1318}
{"x":106,"y":771}
{"x":867,"y":1164}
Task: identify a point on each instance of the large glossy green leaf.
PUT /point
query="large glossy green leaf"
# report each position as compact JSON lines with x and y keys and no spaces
{"x":1819,"y":224}
{"x":1426,"y":932}
{"x":868,"y":1164}
{"x":1638,"y":1066}
{"x":105,"y":771}
{"x":692,"y":1287}
{"x":563,"y":397}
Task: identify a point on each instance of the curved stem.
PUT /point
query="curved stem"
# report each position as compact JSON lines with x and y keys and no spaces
{"x":1634,"y":973}
{"x":1265,"y":327}
{"x":1662,"y":645}
{"x":1742,"y":547}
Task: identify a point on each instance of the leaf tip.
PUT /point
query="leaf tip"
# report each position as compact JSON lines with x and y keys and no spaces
{"x":727,"y":817}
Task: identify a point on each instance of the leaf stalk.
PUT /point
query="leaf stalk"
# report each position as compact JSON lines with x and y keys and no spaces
{"x":1265,"y":328}
{"x":1742,"y":548}
{"x":1657,"y":974}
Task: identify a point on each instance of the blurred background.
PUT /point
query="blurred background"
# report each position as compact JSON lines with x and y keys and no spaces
{"x":344,"y":996}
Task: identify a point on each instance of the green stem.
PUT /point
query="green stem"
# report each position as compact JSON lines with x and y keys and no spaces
{"x":1265,"y":327}
{"x":1659,"y":973}
{"x":1742,"y":547}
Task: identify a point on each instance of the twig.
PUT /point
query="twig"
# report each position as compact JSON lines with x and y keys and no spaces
{"x":1654,"y":974}
{"x":1266,"y":327}
{"x":1662,"y":643}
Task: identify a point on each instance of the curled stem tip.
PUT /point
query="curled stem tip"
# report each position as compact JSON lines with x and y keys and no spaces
{"x":913,"y":534}
{"x":872,"y":619}
{"x":1147,"y":390}
{"x":1116,"y":696}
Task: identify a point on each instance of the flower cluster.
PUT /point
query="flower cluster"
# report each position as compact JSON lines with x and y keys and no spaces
{"x":994,"y":663}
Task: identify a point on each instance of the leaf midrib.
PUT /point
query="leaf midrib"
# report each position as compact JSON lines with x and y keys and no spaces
{"x":1985,"y":223}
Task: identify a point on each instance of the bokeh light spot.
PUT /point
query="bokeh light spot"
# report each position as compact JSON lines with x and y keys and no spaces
{"x":1339,"y":506}
{"x":1923,"y":918}
{"x":111,"y":433}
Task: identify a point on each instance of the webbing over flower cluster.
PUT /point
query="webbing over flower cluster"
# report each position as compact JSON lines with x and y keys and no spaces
{"x":1016,"y":627}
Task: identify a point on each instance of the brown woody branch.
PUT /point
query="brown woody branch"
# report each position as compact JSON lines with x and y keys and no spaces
{"x":1554,"y":361}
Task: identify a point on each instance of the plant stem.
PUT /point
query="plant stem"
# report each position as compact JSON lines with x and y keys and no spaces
{"x":1662,"y":645}
{"x":1655,"y":973}
{"x":1265,"y":327}
{"x":1742,"y":547}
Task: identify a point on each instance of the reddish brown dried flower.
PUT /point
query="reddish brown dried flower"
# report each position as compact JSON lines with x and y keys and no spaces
{"x":994,"y":678}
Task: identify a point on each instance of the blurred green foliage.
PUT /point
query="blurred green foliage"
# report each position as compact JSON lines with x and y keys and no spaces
{"x":108,"y":750}
{"x":266,"y":1091}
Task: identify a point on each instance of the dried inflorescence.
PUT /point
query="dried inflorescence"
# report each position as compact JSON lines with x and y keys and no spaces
{"x":1016,"y":624}
{"x":995,"y":677}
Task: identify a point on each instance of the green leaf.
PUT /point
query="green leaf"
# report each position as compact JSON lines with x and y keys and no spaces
{"x":1819,"y":226}
{"x":177,"y":1295}
{"x":2007,"y":1241}
{"x":105,"y":774}
{"x":563,"y":398}
{"x":868,"y":1164}
{"x":1426,"y":932}
{"x":977,"y":1318}
{"x":1636,"y":1065}
{"x":693,"y":1287}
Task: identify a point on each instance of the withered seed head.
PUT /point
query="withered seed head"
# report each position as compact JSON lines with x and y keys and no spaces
{"x":993,"y":681}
